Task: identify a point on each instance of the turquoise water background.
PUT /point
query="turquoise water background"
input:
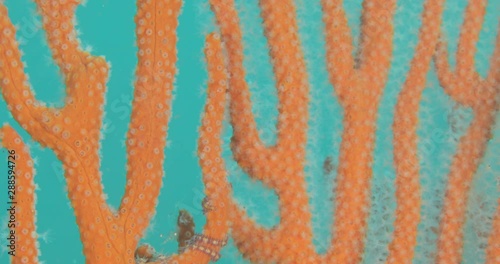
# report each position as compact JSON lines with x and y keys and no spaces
{"x":107,"y":28}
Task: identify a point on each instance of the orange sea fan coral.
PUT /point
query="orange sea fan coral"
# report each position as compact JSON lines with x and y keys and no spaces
{"x":358,"y":82}
{"x":73,"y":131}
{"x":465,"y":86}
{"x":358,"y":79}
{"x":408,"y":194}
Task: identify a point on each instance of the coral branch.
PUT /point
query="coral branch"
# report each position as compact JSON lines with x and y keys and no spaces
{"x":108,"y":236}
{"x":14,"y":82}
{"x":376,"y":40}
{"x":469,"y":35}
{"x":280,"y":167}
{"x":340,"y":54}
{"x":280,"y":27}
{"x":360,"y":102}
{"x":217,"y":188}
{"x":58,"y":21}
{"x":445,"y":75}
{"x":73,"y":131}
{"x":457,"y":84}
{"x":206,"y":247}
{"x":245,"y":134}
{"x":22,"y":179}
{"x":146,"y":138}
{"x":408,"y":195}
{"x":470,"y":90}
{"x":463,"y":168}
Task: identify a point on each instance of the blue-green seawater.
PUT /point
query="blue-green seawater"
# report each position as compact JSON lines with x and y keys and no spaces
{"x":107,"y":28}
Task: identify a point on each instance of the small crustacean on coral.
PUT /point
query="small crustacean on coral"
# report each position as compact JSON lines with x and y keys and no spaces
{"x":185,"y":229}
{"x":144,"y":253}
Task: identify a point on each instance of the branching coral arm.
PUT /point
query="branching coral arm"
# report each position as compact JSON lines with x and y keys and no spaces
{"x":281,"y":30}
{"x":14,"y":82}
{"x":408,"y":195}
{"x":245,"y":133}
{"x":481,"y":95}
{"x":24,"y":173}
{"x":205,"y":248}
{"x":457,"y":83}
{"x":72,"y":131}
{"x":279,"y":167}
{"x":340,"y":55}
{"x":210,"y":143}
{"x":151,"y":107}
{"x":465,"y":163}
{"x":58,"y":21}
{"x":291,"y":82}
{"x":469,"y":35}
{"x":289,"y":68}
{"x":360,"y":101}
{"x":377,"y":32}
{"x":58,"y":18}
{"x":445,"y":75}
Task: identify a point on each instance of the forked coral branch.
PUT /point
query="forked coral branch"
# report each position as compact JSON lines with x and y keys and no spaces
{"x":465,"y":86}
{"x":359,"y":92}
{"x":280,"y":167}
{"x":73,"y":131}
{"x":358,"y":83}
{"x":217,"y":189}
{"x":358,"y":78}
{"x":405,"y":125}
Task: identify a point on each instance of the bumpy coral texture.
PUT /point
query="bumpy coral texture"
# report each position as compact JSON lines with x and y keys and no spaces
{"x":73,"y":131}
{"x":465,"y":86}
{"x":358,"y":82}
{"x":24,"y":173}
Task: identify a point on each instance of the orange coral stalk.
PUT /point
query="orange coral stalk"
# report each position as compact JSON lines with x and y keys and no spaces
{"x":359,"y":90}
{"x":58,"y":17}
{"x":281,"y":166}
{"x":25,"y":230}
{"x":206,"y":247}
{"x":151,"y":109}
{"x":73,"y":130}
{"x":110,"y":237}
{"x":408,"y":195}
{"x":466,"y":87}
{"x":340,"y":60}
